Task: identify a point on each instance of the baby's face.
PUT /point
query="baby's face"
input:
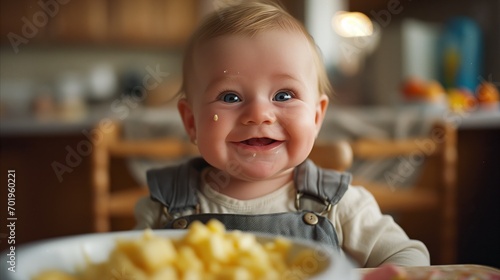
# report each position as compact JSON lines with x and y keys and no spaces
{"x":263,"y":91}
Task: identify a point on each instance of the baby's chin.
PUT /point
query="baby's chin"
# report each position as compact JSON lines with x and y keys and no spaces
{"x":246,"y":165}
{"x":259,"y":168}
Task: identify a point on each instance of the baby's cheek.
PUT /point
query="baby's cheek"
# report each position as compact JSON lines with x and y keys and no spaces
{"x":213,"y":154}
{"x":302,"y":135}
{"x":301,"y":124}
{"x":297,"y":115}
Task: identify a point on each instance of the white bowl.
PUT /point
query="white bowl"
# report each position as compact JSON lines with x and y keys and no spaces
{"x":67,"y":253}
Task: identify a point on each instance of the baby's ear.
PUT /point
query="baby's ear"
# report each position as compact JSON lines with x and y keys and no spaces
{"x":321,"y":107}
{"x":187,"y":117}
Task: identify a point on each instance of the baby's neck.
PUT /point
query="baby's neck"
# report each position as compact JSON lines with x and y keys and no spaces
{"x":236,"y":188}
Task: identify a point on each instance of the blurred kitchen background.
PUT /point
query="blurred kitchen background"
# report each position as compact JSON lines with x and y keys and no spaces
{"x":395,"y":65}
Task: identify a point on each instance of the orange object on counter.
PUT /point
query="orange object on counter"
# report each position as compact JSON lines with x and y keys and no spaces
{"x":413,"y":88}
{"x":417,"y":89}
{"x":487,"y":92}
{"x":461,"y":100}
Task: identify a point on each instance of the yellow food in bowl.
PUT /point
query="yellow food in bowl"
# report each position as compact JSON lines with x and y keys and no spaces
{"x":204,"y":252}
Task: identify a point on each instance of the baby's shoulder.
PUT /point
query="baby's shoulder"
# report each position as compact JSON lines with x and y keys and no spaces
{"x":356,"y":193}
{"x":355,"y":199}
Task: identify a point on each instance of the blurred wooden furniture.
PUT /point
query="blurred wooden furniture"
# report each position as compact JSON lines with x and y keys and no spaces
{"x":108,"y":203}
{"x":156,"y":24}
{"x":434,"y":194}
{"x":335,"y":155}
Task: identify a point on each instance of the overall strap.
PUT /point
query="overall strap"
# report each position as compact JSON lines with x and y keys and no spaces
{"x":319,"y":189}
{"x":175,"y":186}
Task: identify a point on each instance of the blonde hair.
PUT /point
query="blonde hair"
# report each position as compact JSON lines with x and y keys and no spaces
{"x":249,"y":18}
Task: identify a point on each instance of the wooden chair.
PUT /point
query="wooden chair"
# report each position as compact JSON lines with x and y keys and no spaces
{"x":109,"y":203}
{"x":433,"y":197}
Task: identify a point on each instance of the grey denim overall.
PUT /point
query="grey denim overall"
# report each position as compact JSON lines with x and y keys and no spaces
{"x":317,"y":191}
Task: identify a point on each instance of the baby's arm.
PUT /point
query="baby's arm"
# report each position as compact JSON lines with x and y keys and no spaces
{"x":372,"y":238}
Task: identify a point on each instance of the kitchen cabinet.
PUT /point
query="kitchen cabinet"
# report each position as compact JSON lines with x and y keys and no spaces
{"x":478,"y":195}
{"x":151,"y":22}
{"x":49,"y":205}
{"x":81,"y":22}
{"x":22,"y":21}
{"x":157,"y":23}
{"x":45,"y":206}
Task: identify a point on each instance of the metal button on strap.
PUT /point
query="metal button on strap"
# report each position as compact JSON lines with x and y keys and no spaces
{"x":180,"y":223}
{"x":310,"y":218}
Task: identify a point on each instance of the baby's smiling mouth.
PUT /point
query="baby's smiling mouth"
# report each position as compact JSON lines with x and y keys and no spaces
{"x":259,"y":142}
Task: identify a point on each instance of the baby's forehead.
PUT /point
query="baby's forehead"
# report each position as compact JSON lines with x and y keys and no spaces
{"x":235,"y":44}
{"x":275,"y":53}
{"x":278,"y":47}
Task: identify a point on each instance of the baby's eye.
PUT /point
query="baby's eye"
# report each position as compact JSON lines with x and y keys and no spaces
{"x":230,"y":97}
{"x":282,"y":96}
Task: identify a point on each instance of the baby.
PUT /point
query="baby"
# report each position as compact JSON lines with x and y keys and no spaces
{"x":254,"y":96}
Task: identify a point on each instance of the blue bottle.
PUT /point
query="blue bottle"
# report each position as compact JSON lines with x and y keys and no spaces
{"x":460,"y":54}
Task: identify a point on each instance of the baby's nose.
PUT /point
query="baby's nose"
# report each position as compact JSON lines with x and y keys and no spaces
{"x":258,"y":112}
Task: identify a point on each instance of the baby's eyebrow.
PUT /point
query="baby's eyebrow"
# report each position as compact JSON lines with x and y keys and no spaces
{"x":290,"y":79}
{"x":286,"y":76}
{"x":215,"y":83}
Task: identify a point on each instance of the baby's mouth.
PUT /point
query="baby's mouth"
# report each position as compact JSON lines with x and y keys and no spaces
{"x":259,"y":142}
{"x":259,"y":148}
